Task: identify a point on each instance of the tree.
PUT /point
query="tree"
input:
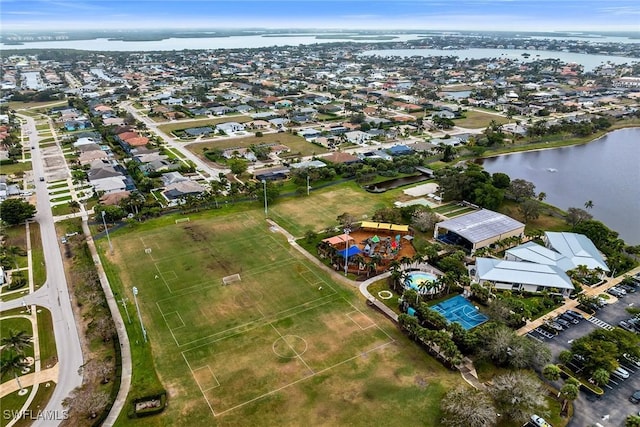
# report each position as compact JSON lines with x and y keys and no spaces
{"x":600,"y":376}
{"x":632,"y":421}
{"x":423,"y":220}
{"x":517,"y":395}
{"x":541,"y":196}
{"x":111,"y":213}
{"x":588,"y":204}
{"x":86,"y":403}
{"x":521,"y":189}
{"x":346,"y":220}
{"x":16,"y":211}
{"x":576,"y":215}
{"x":569,"y":391}
{"x":12,"y":364}
{"x":463,"y":407}
{"x":565,"y":357}
{"x":551,"y":372}
{"x":488,"y":196}
{"x":530,"y":209}
{"x":448,"y":153}
{"x":17,"y":341}
{"x":238,"y":166}
{"x":500,"y":180}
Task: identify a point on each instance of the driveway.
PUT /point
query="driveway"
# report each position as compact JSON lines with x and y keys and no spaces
{"x":612,"y":408}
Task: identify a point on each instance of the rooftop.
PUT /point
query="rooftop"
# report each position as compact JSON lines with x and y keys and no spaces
{"x":481,"y":225}
{"x":527,"y":273}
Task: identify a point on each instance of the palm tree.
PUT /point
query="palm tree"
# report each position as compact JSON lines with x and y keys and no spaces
{"x":13,"y":364}
{"x":17,"y":341}
{"x":417,"y":259}
{"x":588,"y":204}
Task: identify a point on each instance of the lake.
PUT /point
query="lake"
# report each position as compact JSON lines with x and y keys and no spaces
{"x":589,"y":62}
{"x":605,"y":171}
{"x":232,"y":42}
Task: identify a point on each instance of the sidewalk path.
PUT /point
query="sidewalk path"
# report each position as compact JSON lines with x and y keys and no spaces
{"x":125,"y":349}
{"x":572,"y":304}
{"x":43,"y":376}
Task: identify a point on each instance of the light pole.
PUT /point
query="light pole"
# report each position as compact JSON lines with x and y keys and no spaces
{"x":264,"y":186}
{"x":135,"y":298}
{"x":347,"y":230}
{"x":104,"y":222}
{"x":308,"y":186}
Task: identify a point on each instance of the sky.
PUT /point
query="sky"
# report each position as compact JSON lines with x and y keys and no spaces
{"x":498,"y":15}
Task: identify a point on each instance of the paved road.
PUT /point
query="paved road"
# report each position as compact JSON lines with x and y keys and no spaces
{"x":153,"y":127}
{"x":54,"y":294}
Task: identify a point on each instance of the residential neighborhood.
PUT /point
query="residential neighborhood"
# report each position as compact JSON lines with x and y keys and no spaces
{"x":313,"y":232}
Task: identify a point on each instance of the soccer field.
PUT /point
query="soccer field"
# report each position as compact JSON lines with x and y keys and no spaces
{"x":284,"y":322}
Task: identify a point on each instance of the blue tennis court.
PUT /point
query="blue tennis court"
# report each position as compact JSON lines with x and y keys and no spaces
{"x":459,"y":309}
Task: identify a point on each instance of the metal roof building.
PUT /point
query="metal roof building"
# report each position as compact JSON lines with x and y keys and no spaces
{"x":477,"y":229}
{"x":521,"y":276}
{"x":577,"y":247}
{"x":533,"y":252}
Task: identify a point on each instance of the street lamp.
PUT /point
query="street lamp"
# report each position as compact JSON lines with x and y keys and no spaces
{"x":266,"y":209}
{"x":135,"y":297}
{"x":308,"y":186}
{"x":347,"y":230}
{"x":104,"y":222}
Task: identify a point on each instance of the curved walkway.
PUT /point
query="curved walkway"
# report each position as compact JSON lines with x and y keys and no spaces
{"x":362,"y":286}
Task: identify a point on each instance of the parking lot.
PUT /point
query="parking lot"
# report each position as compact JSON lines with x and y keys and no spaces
{"x":612,"y":408}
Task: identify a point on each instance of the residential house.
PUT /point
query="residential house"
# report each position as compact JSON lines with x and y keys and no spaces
{"x":177,"y":191}
{"x":271,"y":174}
{"x":230,"y":128}
{"x":358,"y":137}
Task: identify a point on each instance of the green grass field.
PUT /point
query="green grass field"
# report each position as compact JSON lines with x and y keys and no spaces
{"x":478,"y":119}
{"x":296,"y":144}
{"x":320,"y":210}
{"x":285,"y":344}
{"x":188,"y":123}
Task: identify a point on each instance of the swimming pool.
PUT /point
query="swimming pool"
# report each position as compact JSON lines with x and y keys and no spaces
{"x":416,"y":279}
{"x":458,"y":309}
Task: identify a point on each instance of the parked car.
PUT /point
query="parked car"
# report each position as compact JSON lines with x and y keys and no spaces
{"x":615,"y":292}
{"x":621,"y":372}
{"x":41,"y":178}
{"x":565,"y":324}
{"x":555,"y":326}
{"x":574,"y":314}
{"x":627,"y":288}
{"x":632,"y":359}
{"x":635,"y":397}
{"x":601,"y":302}
{"x":569,"y":318}
{"x":619,"y":289}
{"x":626,"y":326}
{"x":538,"y":421}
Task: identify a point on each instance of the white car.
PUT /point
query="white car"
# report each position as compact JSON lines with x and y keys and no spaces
{"x":621,"y":372}
{"x":538,"y":421}
{"x":632,"y":359}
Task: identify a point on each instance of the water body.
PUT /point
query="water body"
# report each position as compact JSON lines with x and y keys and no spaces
{"x":233,"y":42}
{"x":605,"y":171}
{"x":589,"y":62}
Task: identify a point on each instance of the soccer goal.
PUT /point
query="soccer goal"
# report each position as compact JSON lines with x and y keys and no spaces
{"x":178,"y":221}
{"x":230,"y":279}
